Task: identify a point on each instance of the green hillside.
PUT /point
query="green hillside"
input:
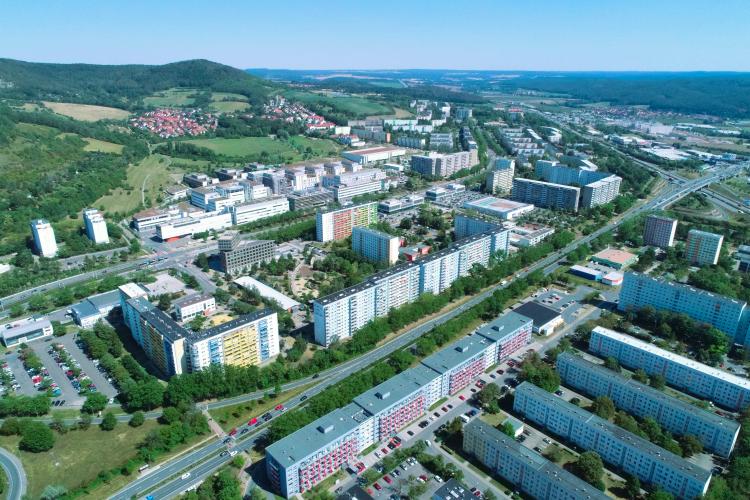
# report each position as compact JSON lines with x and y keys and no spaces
{"x":122,"y":86}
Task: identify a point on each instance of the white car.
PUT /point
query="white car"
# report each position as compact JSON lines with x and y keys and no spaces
{"x":233,"y":453}
{"x":185,"y":476}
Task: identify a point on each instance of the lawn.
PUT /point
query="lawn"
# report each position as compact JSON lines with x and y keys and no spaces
{"x":102,"y":146}
{"x":78,"y":456}
{"x":87,"y":112}
{"x":348,"y":104}
{"x":228,"y":106}
{"x":152,"y":172}
{"x":293,"y":149}
{"x":220,"y":96}
{"x":171,"y":97}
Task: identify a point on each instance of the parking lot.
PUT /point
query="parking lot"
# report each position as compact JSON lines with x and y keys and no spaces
{"x":92,"y":370}
{"x":69,"y":393}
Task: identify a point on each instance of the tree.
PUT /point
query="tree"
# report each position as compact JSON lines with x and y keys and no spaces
{"x":489,"y":393}
{"x":165,"y":302}
{"x":603,"y":407}
{"x":640,"y":376}
{"x":58,"y":329}
{"x":659,"y":494}
{"x":507,"y":429}
{"x":539,"y":373}
{"x":202,"y":261}
{"x":632,"y":486}
{"x":489,"y":495}
{"x":109,"y":422}
{"x":137,"y":419}
{"x":657,"y":381}
{"x":612,"y":364}
{"x":590,"y":468}
{"x":53,"y":492}
{"x":95,"y":402}
{"x":690,"y":445}
{"x":36,"y":437}
{"x":84,"y":422}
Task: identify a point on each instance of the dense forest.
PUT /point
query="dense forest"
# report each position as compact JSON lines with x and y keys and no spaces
{"x":122,"y":86}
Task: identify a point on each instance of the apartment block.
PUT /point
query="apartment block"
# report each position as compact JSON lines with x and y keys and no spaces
{"x":44,"y":238}
{"x":441,"y":141}
{"x":337,"y":224}
{"x":96,"y":226}
{"x":659,"y":231}
{"x":703,"y":248}
{"x":616,"y":446}
{"x":460,"y":363}
{"x":375,"y":246}
{"x":249,"y":340}
{"x":163,"y":341}
{"x":500,"y":178}
{"x":411,"y":142}
{"x":187,"y":308}
{"x":717,"y":434}
{"x":507,"y":334}
{"x":245,"y":213}
{"x":727,"y":314}
{"x":245,"y":255}
{"x":441,"y":165}
{"x":601,"y":191}
{"x":527,"y":470}
{"x":468,"y":225}
{"x":597,"y":188}
{"x":703,"y":381}
{"x":545,"y":194}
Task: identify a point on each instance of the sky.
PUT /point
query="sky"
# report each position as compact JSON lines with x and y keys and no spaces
{"x":542,"y":35}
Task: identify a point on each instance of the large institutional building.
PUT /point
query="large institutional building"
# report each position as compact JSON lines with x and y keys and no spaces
{"x":339,"y":315}
{"x":703,"y":248}
{"x":301,"y":460}
{"x":616,"y":446}
{"x":525,"y":469}
{"x":703,"y":381}
{"x":717,"y":434}
{"x":731,"y":316}
{"x":659,"y":231}
{"x":337,"y":224}
{"x":237,"y":256}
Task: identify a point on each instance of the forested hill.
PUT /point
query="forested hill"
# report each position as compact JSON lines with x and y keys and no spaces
{"x":121,"y":85}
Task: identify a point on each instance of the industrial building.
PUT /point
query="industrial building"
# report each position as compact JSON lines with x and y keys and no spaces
{"x":703,"y":381}
{"x":616,"y":446}
{"x":614,"y":258}
{"x":374,"y":155}
{"x":717,"y":434}
{"x":525,"y":469}
{"x":337,"y":224}
{"x":659,"y":231}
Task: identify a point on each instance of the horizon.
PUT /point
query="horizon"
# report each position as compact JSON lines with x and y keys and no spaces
{"x":547,"y":37}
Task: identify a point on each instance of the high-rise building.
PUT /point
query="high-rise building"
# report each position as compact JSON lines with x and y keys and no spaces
{"x":500,"y":178}
{"x":601,"y":191}
{"x":44,"y":238}
{"x":237,"y":256}
{"x":463,"y":114}
{"x":523,"y":468}
{"x":724,"y":389}
{"x":337,"y":224}
{"x":718,"y":434}
{"x":466,"y":225}
{"x":546,"y":194}
{"x":659,"y":231}
{"x":96,"y":226}
{"x":702,"y":247}
{"x":616,"y":446}
{"x":441,"y":165}
{"x":729,"y":315}
{"x":597,"y":188}
{"x":375,"y":246}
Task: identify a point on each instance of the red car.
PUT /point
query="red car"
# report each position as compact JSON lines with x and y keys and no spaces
{"x":233,"y":432}
{"x":377,"y":486}
{"x":280,"y":407}
{"x":369,"y":491}
{"x":253,"y":421}
{"x":384,"y":450}
{"x":423,"y":477}
{"x":387,"y":479}
{"x":462,"y":397}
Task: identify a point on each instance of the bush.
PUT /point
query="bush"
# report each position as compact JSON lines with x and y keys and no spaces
{"x":36,"y":437}
{"x":109,"y":422}
{"x":137,"y":419}
{"x":94,"y":403}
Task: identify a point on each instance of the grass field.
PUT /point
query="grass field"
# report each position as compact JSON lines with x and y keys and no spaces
{"x":171,"y":97}
{"x":102,"y":146}
{"x":87,"y":112}
{"x":152,"y":172}
{"x":348,"y":104}
{"x":229,"y":106}
{"x":78,"y":456}
{"x":220,"y":96}
{"x":291,"y":150}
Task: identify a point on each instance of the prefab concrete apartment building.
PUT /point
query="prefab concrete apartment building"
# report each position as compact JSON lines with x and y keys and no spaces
{"x":303,"y":459}
{"x":659,"y":231}
{"x":337,"y":224}
{"x":703,"y":248}
{"x":703,"y":381}
{"x":717,"y":434}
{"x":616,"y":446}
{"x":375,"y":246}
{"x":546,"y":194}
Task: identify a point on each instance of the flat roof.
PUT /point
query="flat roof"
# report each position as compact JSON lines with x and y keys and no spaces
{"x":379,"y":149}
{"x":542,"y":466}
{"x":614,"y":255}
{"x":539,"y":313}
{"x":140,"y":304}
{"x":503,"y":326}
{"x":552,"y":184}
{"x":456,"y":353}
{"x":164,"y":323}
{"x":654,"y":394}
{"x":374,"y":232}
{"x":395,"y":389}
{"x":229,"y":325}
{"x":368,"y":283}
{"x":267,"y":292}
{"x":453,"y":490}
{"x":317,"y":435}
{"x":84,"y":309}
{"x":132,"y":290}
{"x":499,"y":204}
{"x":350,"y":207}
{"x":656,"y":453}
{"x":663,"y":282}
{"x":106,"y":299}
{"x":190,"y":300}
{"x":32,"y":326}
{"x":675,"y":358}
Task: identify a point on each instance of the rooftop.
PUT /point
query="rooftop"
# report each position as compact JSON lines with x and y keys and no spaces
{"x":379,"y":149}
{"x":193,"y":299}
{"x":25,"y":328}
{"x":453,"y":490}
{"x":456,"y":353}
{"x":681,"y":286}
{"x":614,"y":255}
{"x":500,"y":204}
{"x":675,"y":358}
{"x":229,"y":325}
{"x":267,"y":292}
{"x":503,"y":326}
{"x":395,"y":389}
{"x":539,"y":313}
{"x":350,"y":207}
{"x":164,"y":324}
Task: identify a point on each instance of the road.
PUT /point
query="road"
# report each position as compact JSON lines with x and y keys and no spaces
{"x":15,"y":473}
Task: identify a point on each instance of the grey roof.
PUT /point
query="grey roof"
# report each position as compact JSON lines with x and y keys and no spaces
{"x":503,"y":326}
{"x":85,"y":309}
{"x":563,"y":479}
{"x":653,"y":394}
{"x":192,"y":299}
{"x":616,"y":433}
{"x":350,"y":207}
{"x":229,"y":325}
{"x":106,"y":300}
{"x":32,"y":326}
{"x":355,"y":493}
{"x":316,"y":435}
{"x":539,"y":313}
{"x":141,"y":304}
{"x":394,"y":390}
{"x":164,"y":324}
{"x":457,"y":353}
{"x":369,"y":282}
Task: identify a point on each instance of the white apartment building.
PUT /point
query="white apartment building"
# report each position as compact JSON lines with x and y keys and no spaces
{"x":187,"y":308}
{"x":96,"y":226}
{"x":724,"y":389}
{"x":500,"y":178}
{"x":375,"y":246}
{"x":703,"y":248}
{"x":44,"y":238}
{"x":255,"y":210}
